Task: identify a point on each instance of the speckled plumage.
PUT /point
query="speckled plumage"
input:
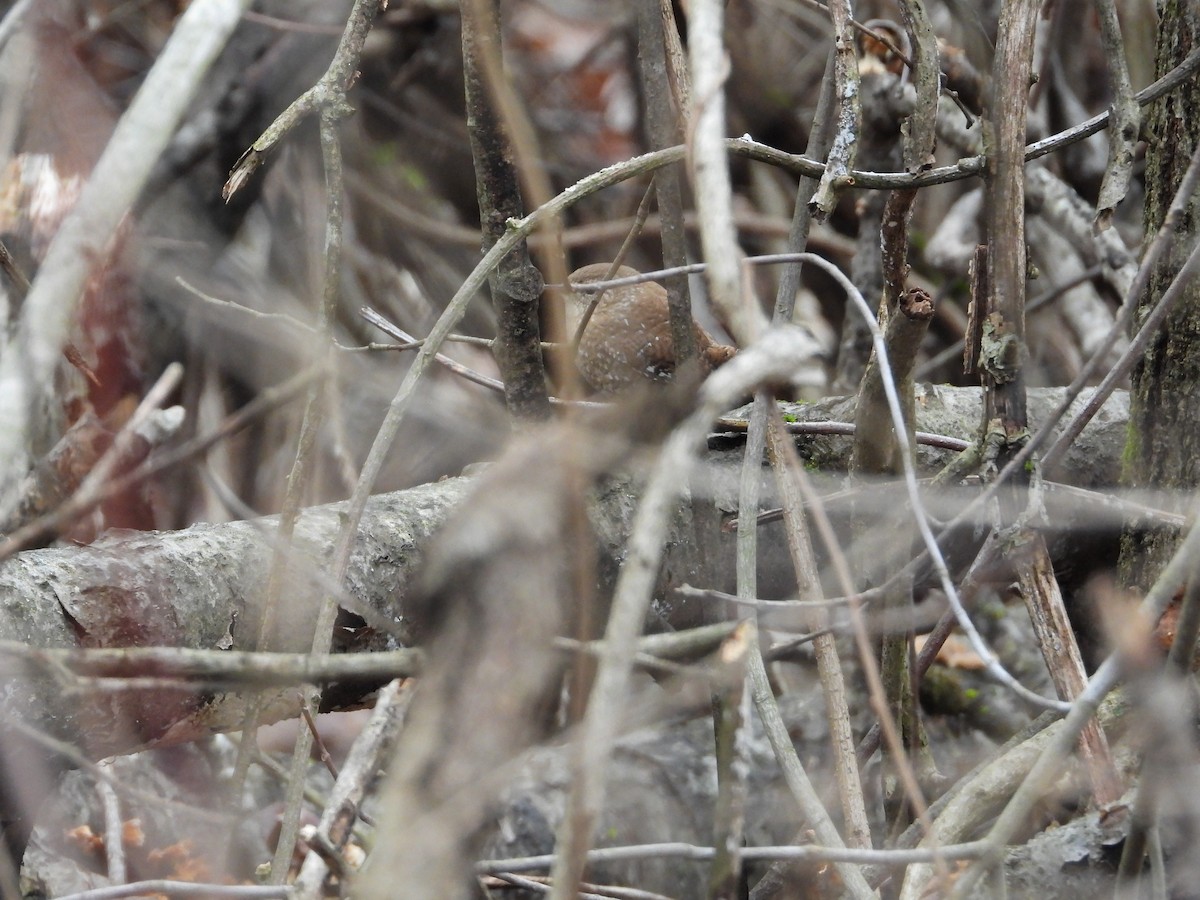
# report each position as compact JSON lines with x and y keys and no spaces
{"x":628,"y":339}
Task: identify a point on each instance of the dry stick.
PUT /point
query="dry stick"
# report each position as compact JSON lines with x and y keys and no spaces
{"x":796,"y":777}
{"x":676,"y":56}
{"x":292,"y":25}
{"x":1001,"y":361}
{"x":1125,"y":119}
{"x":212,"y":667}
{"x":172,"y":665}
{"x":539,"y":887}
{"x":1183,"y":567}
{"x":862,"y":637}
{"x":1044,"y":602}
{"x":941,"y":441}
{"x":873,"y":451}
{"x":114,"y":843}
{"x":970,"y":166}
{"x":410,"y":342}
{"x":331,"y":151}
{"x":926,"y":74}
{"x":877,"y":450}
{"x":810,"y":853}
{"x":32,"y":354}
{"x":369,"y":751}
{"x":662,"y":124}
{"x":821,"y":137}
{"x":731,"y":713}
{"x":902,"y":337}
{"x":322,"y":751}
{"x":329,"y":93}
{"x":575,"y":236}
{"x":657,"y":40}
{"x":795,"y":604}
{"x":327,"y":99}
{"x":227,"y":668}
{"x":787,"y":464}
{"x":887,"y":375}
{"x":535,"y":176}
{"x":749,"y":485}
{"x":835,"y":175}
{"x":165,"y":887}
{"x":773,"y":356}
{"x":710,"y":173}
{"x":1004,"y":206}
{"x":515,"y":285}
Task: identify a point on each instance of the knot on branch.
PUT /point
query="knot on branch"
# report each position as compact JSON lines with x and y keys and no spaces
{"x":523,"y":283}
{"x":916,"y":304}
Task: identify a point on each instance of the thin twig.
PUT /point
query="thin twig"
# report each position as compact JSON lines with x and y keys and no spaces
{"x":786,"y":463}
{"x":213,"y":667}
{"x":341,"y":809}
{"x":326,"y":99}
{"x":183,"y":889}
{"x":680,"y":850}
{"x":114,"y":844}
{"x":315,"y":736}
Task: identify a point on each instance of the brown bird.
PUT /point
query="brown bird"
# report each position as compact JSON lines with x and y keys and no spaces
{"x":628,"y":338}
